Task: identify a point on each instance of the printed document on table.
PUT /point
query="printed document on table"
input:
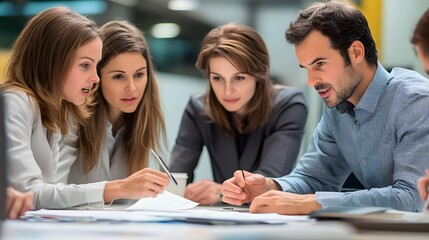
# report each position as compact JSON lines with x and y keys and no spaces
{"x":162,"y":202}
{"x":48,"y":215}
{"x":231,"y":216}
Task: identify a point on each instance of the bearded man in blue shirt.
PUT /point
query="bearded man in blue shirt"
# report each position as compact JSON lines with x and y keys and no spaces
{"x":374,"y":124}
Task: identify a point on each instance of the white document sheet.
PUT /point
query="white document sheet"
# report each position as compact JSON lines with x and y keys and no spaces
{"x":163,"y":202}
{"x":45,"y":215}
{"x":164,"y":207}
{"x":159,"y":216}
{"x":238,"y":217}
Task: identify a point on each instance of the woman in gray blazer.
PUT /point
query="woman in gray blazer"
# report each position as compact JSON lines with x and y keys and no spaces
{"x":243,"y":120}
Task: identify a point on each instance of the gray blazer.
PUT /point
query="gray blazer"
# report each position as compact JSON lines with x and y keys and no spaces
{"x":271,"y":150}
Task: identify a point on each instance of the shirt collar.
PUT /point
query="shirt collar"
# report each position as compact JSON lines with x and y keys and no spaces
{"x":373,"y":93}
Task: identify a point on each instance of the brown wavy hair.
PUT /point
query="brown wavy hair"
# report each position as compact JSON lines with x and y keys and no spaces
{"x":41,"y":57}
{"x":421,"y":33}
{"x":246,"y":50}
{"x":146,"y":125}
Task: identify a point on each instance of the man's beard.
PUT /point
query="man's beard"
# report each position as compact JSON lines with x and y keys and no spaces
{"x":351,"y":83}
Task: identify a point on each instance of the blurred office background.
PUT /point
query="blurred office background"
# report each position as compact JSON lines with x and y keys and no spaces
{"x":175,"y":28}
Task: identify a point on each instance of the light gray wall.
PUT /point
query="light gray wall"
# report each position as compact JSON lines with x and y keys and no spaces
{"x":399,"y":19}
{"x":175,"y":91}
{"x":271,"y":21}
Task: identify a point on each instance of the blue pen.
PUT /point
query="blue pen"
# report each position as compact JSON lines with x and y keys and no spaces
{"x":164,"y":166}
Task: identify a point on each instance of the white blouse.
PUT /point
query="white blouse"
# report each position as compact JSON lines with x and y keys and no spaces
{"x":35,"y":163}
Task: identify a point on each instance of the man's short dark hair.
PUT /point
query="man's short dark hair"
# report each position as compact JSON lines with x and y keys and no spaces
{"x":341,"y":23}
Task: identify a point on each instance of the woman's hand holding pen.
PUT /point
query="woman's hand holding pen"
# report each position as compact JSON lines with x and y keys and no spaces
{"x":144,"y":183}
{"x":245,"y":186}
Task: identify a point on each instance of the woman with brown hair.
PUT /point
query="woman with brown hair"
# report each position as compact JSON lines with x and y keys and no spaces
{"x":50,"y":75}
{"x":243,"y":120}
{"x":127,"y":122}
{"x":420,"y":40}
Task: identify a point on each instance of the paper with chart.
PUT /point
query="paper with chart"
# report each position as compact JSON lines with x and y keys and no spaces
{"x":163,"y":202}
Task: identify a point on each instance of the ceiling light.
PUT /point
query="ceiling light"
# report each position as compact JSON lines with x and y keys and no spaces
{"x":183,"y":5}
{"x":165,"y":30}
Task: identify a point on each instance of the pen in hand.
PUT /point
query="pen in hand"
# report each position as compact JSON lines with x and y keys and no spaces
{"x":247,"y":192}
{"x":244,"y":178}
{"x":164,"y":166}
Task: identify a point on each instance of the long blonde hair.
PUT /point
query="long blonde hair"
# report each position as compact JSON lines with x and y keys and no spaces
{"x":41,"y":57}
{"x":146,"y":125}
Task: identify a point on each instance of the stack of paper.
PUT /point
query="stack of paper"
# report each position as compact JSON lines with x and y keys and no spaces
{"x":165,"y":207}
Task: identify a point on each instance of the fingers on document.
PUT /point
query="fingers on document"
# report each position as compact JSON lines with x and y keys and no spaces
{"x":261,"y":205}
{"x":16,"y":207}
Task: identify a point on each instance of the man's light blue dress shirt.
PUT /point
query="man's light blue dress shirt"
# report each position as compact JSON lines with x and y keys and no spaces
{"x":386,"y":145}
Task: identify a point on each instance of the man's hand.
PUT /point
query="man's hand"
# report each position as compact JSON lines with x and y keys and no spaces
{"x":284,"y":203}
{"x":245,"y":186}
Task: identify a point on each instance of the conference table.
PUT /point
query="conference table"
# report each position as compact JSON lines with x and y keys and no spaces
{"x":57,"y":229}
